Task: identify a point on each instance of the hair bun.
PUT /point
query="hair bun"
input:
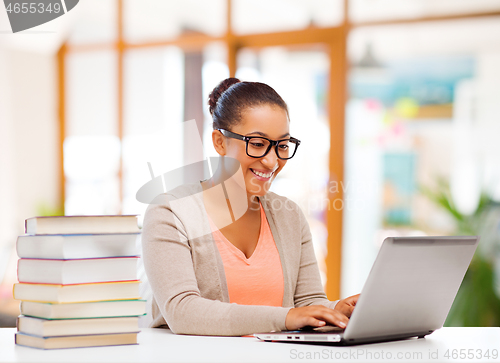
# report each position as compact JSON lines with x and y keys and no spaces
{"x":218,"y":91}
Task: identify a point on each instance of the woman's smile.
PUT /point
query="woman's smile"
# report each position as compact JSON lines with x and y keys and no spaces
{"x":263,"y":175}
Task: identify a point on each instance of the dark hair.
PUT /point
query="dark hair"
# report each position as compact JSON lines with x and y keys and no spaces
{"x":231,"y":97}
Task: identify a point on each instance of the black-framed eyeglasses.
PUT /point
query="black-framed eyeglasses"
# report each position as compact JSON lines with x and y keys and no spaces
{"x":258,"y":146}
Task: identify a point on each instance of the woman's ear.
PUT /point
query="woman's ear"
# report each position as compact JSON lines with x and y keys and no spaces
{"x":219,"y":142}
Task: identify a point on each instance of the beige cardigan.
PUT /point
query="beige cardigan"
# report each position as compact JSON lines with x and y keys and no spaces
{"x":187,"y":275}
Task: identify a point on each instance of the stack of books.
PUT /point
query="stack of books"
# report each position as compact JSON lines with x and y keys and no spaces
{"x":78,"y":282}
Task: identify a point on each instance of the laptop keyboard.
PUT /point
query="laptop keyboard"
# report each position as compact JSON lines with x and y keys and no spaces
{"x":324,"y":329}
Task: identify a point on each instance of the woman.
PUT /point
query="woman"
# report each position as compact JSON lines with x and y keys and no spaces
{"x":225,"y":256}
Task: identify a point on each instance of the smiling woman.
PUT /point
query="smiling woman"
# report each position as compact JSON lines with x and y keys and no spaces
{"x":251,"y":269}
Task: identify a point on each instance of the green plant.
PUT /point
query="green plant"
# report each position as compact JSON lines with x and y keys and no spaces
{"x":477,"y":302}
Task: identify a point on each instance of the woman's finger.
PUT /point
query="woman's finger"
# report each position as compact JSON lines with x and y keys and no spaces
{"x":333,"y":317}
{"x":352,"y":300}
{"x":347,"y":310}
{"x":315,"y":322}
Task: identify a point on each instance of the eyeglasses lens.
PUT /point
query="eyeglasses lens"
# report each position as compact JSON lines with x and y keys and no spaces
{"x":258,"y":147}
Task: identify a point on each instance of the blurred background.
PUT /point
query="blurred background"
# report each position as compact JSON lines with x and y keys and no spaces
{"x":396,"y":103}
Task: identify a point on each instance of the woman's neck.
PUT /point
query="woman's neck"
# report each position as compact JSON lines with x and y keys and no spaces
{"x":219,"y":196}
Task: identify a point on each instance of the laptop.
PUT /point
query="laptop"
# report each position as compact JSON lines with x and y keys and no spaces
{"x":408,"y":293}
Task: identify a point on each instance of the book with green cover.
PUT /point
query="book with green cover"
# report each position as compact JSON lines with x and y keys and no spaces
{"x":101,"y":309}
{"x":63,"y":327}
{"x":63,"y":294}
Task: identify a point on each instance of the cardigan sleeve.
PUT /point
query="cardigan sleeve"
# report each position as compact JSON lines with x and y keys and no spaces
{"x":309,"y":289}
{"x":169,"y":266}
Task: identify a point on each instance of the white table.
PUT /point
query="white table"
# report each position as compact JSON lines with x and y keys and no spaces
{"x":160,"y":345}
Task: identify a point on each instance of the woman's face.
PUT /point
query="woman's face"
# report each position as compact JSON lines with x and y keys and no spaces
{"x":267,"y":121}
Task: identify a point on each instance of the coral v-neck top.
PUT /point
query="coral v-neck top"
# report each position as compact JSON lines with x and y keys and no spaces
{"x":257,"y":280}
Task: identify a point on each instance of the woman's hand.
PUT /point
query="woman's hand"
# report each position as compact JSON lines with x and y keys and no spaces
{"x":316,"y":316}
{"x":347,"y":305}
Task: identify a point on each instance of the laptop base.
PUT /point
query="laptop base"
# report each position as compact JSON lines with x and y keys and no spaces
{"x":333,"y":339}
